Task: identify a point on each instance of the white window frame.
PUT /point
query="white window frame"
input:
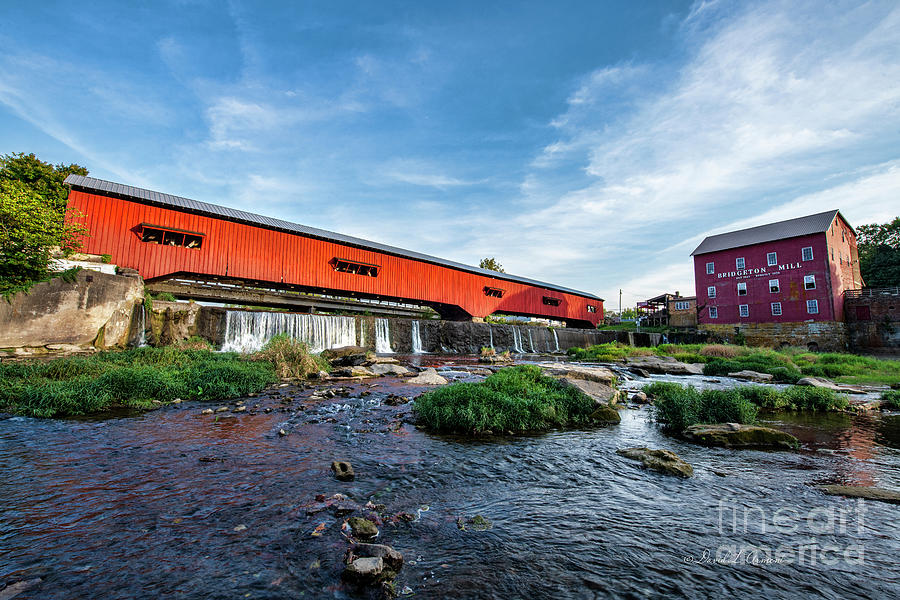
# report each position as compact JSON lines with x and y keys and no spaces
{"x":713,"y":312}
{"x":711,"y":291}
{"x":772,"y":259}
{"x":776,"y":309}
{"x":742,"y":286}
{"x":807,"y":280}
{"x":740,"y":264}
{"x":777,"y":286}
{"x":803,"y":253}
{"x":744,"y":310}
{"x":682,"y":305}
{"x":812,"y":307}
{"x":710,"y":268}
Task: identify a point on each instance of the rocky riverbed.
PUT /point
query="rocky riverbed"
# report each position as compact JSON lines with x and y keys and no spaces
{"x":176,"y":502}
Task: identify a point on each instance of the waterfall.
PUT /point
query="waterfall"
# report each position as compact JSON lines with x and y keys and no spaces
{"x":416,"y":339}
{"x":530,"y":340}
{"x":517,"y":340}
{"x":383,"y":336}
{"x":555,"y":339}
{"x":142,"y":339}
{"x":362,"y":336}
{"x":491,"y":333}
{"x":249,"y":331}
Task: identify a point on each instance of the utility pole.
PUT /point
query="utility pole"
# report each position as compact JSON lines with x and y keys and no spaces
{"x":620,"y":303}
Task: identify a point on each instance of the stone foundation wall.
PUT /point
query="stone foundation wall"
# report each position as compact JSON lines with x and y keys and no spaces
{"x":94,"y":312}
{"x":873,"y":322}
{"x":827,"y":336}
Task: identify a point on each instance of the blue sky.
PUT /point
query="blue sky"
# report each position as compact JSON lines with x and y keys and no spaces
{"x":589,"y":144}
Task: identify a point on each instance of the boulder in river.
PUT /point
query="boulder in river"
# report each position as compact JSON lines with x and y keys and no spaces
{"x":865,"y":492}
{"x":572,"y":372}
{"x":665,"y":365}
{"x":393,"y":560}
{"x":601,"y":393}
{"x":735,"y":435}
{"x":355,"y":371}
{"x":640,"y":398}
{"x":365,"y":570}
{"x":752,"y":376}
{"x":662,"y":461}
{"x":343,"y":470}
{"x":363,"y":529}
{"x":428,"y":376}
{"x":821,"y":382}
{"x":347,"y":356}
{"x":606,"y":414}
{"x":387,"y":369}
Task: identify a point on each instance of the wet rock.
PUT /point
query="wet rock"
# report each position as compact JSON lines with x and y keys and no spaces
{"x":405,"y":516}
{"x":365,"y":570}
{"x":206,"y":411}
{"x":735,"y":435}
{"x":476,"y":523}
{"x":381,"y":370}
{"x":752,"y":376}
{"x":343,"y":508}
{"x":605,"y":414}
{"x":481,"y":372}
{"x":865,"y":492}
{"x":601,"y":393}
{"x":578,"y":372}
{"x":395,"y":400}
{"x":239,"y":409}
{"x":355,"y":371}
{"x":282,"y":432}
{"x":222,"y":409}
{"x":383,"y":360}
{"x":496,"y":359}
{"x":427,"y":377}
{"x":362,"y":528}
{"x":640,"y":398}
{"x":661,"y":461}
{"x":20,"y":587}
{"x":821,"y":382}
{"x":343,"y":471}
{"x":239,"y":528}
{"x":392,"y":559}
{"x":348,"y":356}
{"x":665,"y":365}
{"x":639,"y":372}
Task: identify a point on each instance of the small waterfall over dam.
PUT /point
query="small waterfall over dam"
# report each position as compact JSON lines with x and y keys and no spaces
{"x":249,"y":331}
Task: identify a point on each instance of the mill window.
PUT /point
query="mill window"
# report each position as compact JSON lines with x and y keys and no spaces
{"x":774,"y":286}
{"x":807,"y":253}
{"x":772,"y":259}
{"x":809,"y":282}
{"x":739,"y":263}
{"x":744,"y":310}
{"x":776,"y":308}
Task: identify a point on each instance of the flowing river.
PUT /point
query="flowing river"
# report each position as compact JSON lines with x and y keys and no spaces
{"x":173,"y":503}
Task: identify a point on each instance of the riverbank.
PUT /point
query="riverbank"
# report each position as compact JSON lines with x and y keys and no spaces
{"x":206,"y":505}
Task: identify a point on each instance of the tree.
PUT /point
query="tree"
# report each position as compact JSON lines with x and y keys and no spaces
{"x":33,"y":218}
{"x":879,"y":253}
{"x":491,"y":264}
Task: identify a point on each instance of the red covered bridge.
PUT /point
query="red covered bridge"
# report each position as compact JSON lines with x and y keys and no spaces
{"x":165,"y":237}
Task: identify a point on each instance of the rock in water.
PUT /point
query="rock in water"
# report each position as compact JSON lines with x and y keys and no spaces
{"x":867,"y":493}
{"x":606,"y":414}
{"x":363,"y":529}
{"x":662,"y":461}
{"x":343,"y":470}
{"x":393,"y":560}
{"x":734,"y":435}
{"x":348,"y":356}
{"x":386,"y":369}
{"x":427,"y":377}
{"x":364,"y":570}
{"x":600,"y":392}
{"x":663,"y":365}
{"x":752,"y":376}
{"x":640,"y":398}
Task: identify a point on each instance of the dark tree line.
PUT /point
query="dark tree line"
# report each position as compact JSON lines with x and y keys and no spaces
{"x":879,"y":253}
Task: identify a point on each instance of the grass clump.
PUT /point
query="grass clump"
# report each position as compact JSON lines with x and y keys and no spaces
{"x":513,"y":399}
{"x":891,"y":399}
{"x":290,"y":357}
{"x":677,"y":407}
{"x":762,"y":361}
{"x":131,"y":378}
{"x":609,"y":352}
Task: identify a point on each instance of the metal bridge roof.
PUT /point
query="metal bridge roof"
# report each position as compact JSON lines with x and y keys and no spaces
{"x":808,"y":225}
{"x":91,"y":184}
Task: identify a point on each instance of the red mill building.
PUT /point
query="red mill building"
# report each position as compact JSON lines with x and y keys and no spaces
{"x":781,"y":283}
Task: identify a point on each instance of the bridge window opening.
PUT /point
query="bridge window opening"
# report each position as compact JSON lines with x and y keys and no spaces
{"x":591,"y":308}
{"x":549,"y":301}
{"x":493,"y":292}
{"x":169,"y":237}
{"x":357,"y":268}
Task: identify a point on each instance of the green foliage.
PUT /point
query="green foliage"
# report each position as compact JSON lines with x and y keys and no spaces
{"x":677,"y":407}
{"x":33,"y":219}
{"x":799,"y":397}
{"x":132,"y":378}
{"x":491,"y":264}
{"x":106,"y":258}
{"x":609,"y":352}
{"x":762,"y":361}
{"x":513,"y":399}
{"x":891,"y":399}
{"x":292,"y":358}
{"x":879,"y":253}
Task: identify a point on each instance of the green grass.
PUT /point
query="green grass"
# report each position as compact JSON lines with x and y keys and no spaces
{"x":513,"y":399}
{"x":787,"y":365}
{"x":132,"y":378}
{"x":677,"y":407}
{"x":891,"y":399}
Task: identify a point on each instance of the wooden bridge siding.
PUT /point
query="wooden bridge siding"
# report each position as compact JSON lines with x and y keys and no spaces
{"x":249,"y":252}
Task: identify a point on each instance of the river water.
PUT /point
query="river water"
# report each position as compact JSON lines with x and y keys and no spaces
{"x":173,"y":503}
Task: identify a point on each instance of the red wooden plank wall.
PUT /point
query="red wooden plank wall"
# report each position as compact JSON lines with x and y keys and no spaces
{"x":249,"y":252}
